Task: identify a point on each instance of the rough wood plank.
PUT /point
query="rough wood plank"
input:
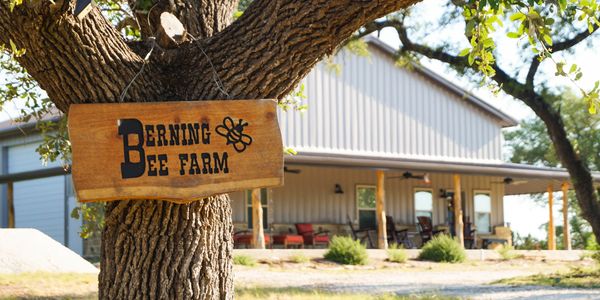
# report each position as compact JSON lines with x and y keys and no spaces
{"x":226,"y":146}
{"x":551,"y":241}
{"x":380,"y":207}
{"x":458,"y":214}
{"x":258,"y":235}
{"x":10,"y":200}
{"x":566,"y":231}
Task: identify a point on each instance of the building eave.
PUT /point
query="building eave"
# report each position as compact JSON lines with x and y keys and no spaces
{"x":10,"y":128}
{"x":534,"y":174}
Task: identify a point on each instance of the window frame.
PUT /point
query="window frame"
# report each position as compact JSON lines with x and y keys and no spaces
{"x":358,"y":208}
{"x":264,"y":206}
{"x":414,"y":198}
{"x":489,"y":213}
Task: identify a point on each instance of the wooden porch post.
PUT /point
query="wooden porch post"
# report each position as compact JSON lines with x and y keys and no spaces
{"x":551,"y":241}
{"x":380,"y":207}
{"x":258,"y":236}
{"x":10,"y":199}
{"x":458,"y":215}
{"x":566,"y":231}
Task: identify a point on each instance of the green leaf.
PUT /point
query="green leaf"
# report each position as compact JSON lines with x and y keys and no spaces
{"x":592,"y":108}
{"x":573,"y":69}
{"x":471,"y":58}
{"x":517,"y":16}
{"x":465,"y":52}
{"x":547,"y":39}
{"x":562,"y":4}
{"x":513,"y":35}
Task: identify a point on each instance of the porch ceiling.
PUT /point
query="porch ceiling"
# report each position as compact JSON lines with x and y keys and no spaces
{"x":527,"y":179}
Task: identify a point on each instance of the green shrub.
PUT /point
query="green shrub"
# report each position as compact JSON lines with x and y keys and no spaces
{"x":346,"y":251}
{"x":443,"y":248}
{"x":396,"y":253}
{"x":507,"y":252}
{"x":244,"y":260}
{"x":299,"y":258}
{"x":596,"y":256}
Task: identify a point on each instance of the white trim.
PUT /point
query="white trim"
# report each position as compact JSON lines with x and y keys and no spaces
{"x":248,"y":193}
{"x":414,"y":200}
{"x":482,"y":192}
{"x":358,"y":209}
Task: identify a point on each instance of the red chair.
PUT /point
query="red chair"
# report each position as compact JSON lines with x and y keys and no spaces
{"x":311,"y":237}
{"x":245,"y":238}
{"x":288,"y":240}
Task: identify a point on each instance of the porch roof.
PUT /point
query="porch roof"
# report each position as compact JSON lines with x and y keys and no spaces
{"x":526,"y":179}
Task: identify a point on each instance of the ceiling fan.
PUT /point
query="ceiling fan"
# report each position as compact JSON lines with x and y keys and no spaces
{"x":293,"y":171}
{"x":409,"y":175}
{"x":509,"y":180}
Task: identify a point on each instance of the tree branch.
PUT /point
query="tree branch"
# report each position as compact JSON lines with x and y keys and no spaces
{"x":533,"y":68}
{"x":285,"y":37}
{"x":569,"y":43}
{"x":75,"y":60}
{"x":201,"y":18}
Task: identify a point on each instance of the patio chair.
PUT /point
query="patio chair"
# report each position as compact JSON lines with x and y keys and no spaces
{"x":426,"y":229}
{"x":357,"y":232}
{"x":399,"y":237}
{"x":470,"y":235}
{"x":245,"y":238}
{"x":312,"y":238}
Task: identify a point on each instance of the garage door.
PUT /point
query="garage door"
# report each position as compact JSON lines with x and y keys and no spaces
{"x":39,"y":203}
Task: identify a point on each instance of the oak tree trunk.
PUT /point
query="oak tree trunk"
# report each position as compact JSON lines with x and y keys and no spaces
{"x":162,"y":250}
{"x":155,"y":249}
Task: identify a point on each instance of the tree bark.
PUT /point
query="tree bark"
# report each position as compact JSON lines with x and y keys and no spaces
{"x":154,"y":249}
{"x":161,"y":250}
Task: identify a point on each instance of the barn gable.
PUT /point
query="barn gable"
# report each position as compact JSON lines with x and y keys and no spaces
{"x":374,"y":108}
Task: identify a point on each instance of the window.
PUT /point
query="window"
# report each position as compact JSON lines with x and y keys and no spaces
{"x":264,"y":196}
{"x":423,"y":203}
{"x":365,"y":197}
{"x":483,"y":211}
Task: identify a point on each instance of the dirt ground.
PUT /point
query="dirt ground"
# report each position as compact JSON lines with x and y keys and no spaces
{"x":470,"y":280}
{"x":467,"y":280}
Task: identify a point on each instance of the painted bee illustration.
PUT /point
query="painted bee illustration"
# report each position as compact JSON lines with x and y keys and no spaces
{"x":234,"y":133}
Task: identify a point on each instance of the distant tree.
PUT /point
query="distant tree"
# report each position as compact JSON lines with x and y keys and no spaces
{"x":530,"y":143}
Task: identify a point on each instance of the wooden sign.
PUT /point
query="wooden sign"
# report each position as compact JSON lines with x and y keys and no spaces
{"x":175,"y":151}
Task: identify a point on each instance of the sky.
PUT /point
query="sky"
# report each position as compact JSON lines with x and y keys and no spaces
{"x":525,"y":215}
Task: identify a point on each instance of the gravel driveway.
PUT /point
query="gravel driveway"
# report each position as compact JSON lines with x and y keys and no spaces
{"x":472,"y":284}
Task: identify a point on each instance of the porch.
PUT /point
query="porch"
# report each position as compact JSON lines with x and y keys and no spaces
{"x":337,"y":197}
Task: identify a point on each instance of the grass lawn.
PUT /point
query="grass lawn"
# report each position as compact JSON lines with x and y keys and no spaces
{"x":47,"y":285}
{"x":78,"y":286}
{"x":301,"y":294}
{"x":576,"y":278}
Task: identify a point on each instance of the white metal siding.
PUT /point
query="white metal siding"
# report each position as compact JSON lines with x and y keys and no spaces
{"x":309,"y":196}
{"x":375,"y":108}
{"x":40,"y":204}
{"x":23,"y":158}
